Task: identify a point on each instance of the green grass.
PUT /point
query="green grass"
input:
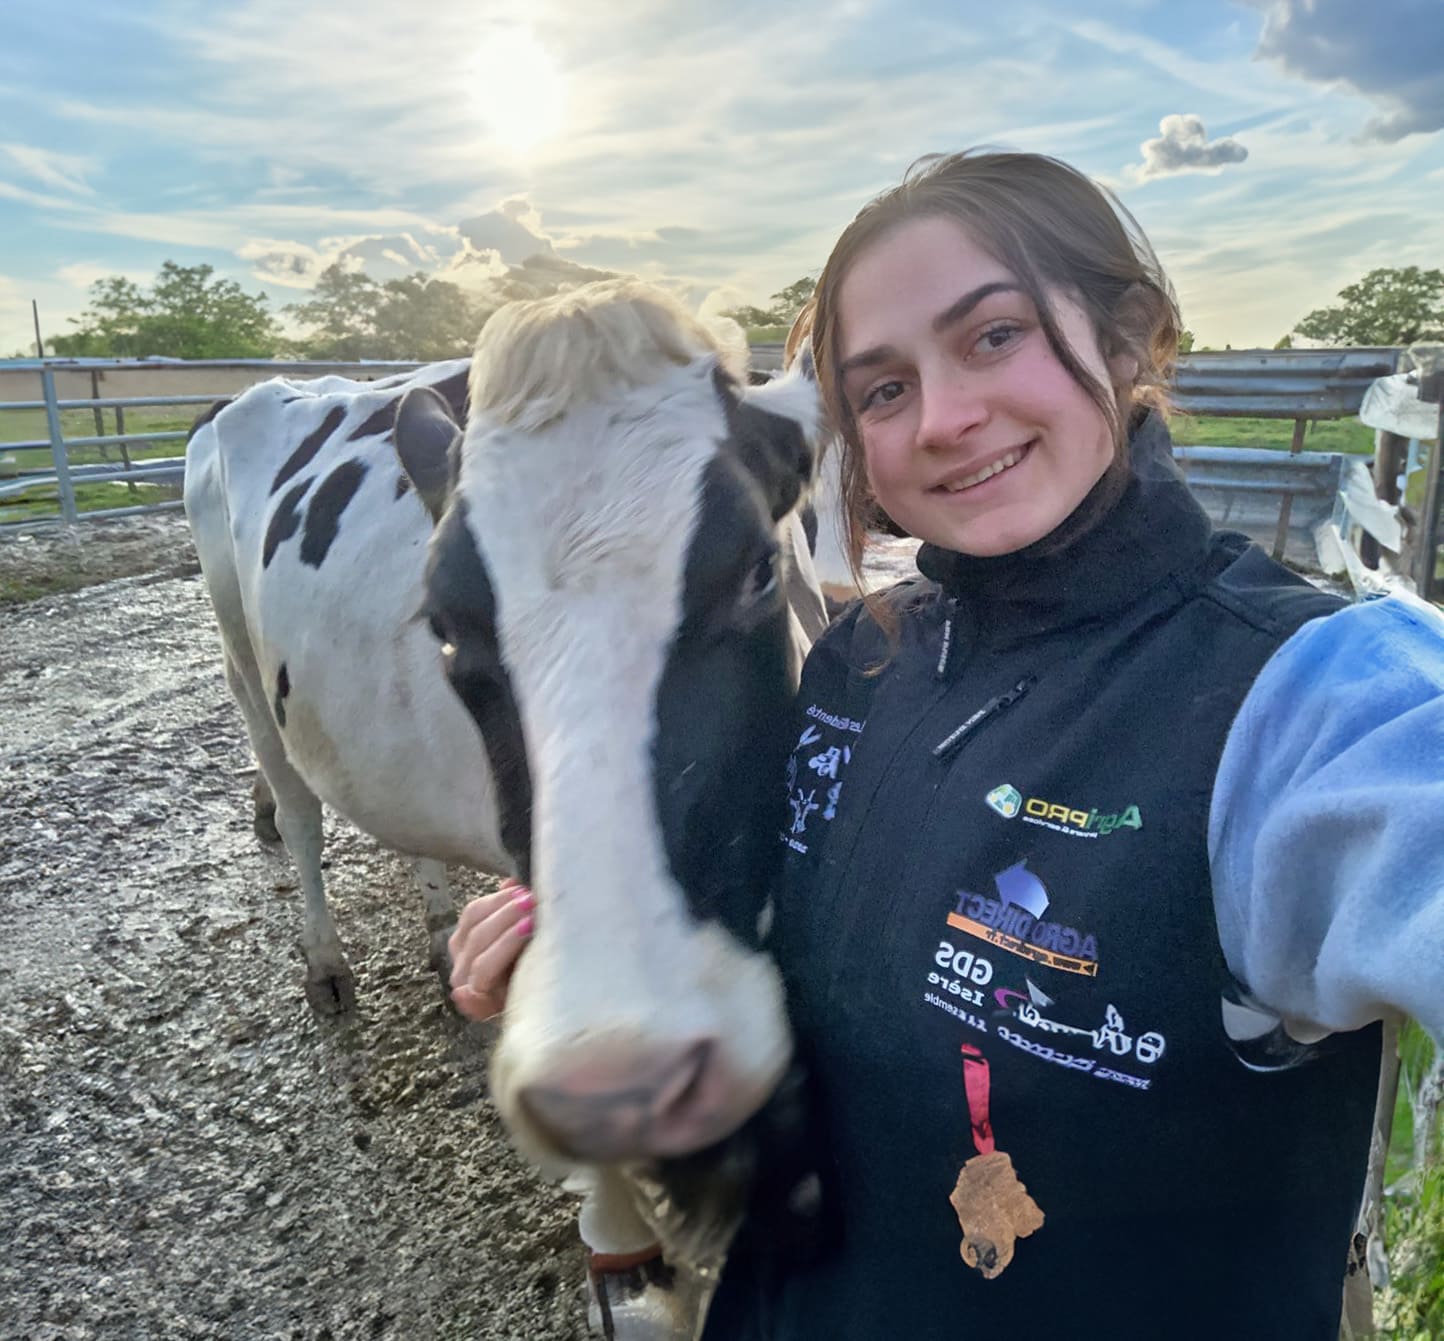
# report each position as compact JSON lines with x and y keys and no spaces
{"x":1412,"y":1308}
{"x":42,"y":502}
{"x":1322,"y":435}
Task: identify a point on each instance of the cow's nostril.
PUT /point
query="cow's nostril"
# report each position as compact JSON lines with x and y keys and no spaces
{"x":630,"y":1107}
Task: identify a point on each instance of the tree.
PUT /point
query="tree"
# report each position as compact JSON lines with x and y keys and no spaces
{"x":786,"y":304}
{"x":1285,"y":342}
{"x":416,"y":317}
{"x":1386,"y":307}
{"x":186,"y":314}
{"x":752,"y":317}
{"x":421,"y":318}
{"x":1185,"y":342}
{"x":342,"y":310}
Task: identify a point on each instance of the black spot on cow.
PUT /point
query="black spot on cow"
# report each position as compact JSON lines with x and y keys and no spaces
{"x":323,"y":515}
{"x":728,"y":664}
{"x":381,"y":422}
{"x":403,"y":485}
{"x":207,"y":416}
{"x":283,"y":688}
{"x":285,"y":521}
{"x":286,"y":400}
{"x":461,"y":608}
{"x":456,"y":391}
{"x":771,"y":446}
{"x":310,"y":445}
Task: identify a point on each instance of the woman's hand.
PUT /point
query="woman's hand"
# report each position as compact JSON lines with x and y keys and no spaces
{"x":490,"y":935}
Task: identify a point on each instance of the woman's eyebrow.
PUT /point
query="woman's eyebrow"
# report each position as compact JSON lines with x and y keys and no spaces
{"x":970,"y":300}
{"x":868,"y":358}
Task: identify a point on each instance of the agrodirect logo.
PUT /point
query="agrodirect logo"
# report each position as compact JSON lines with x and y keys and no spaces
{"x":1009,"y":802}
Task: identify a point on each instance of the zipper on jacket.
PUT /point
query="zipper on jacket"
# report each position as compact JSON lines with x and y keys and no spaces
{"x":953,"y":741}
{"x":947,"y":649}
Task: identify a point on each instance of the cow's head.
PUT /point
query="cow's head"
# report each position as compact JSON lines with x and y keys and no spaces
{"x":605,"y":579}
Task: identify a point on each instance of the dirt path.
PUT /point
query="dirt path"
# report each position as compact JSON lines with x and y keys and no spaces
{"x":185,"y":1150}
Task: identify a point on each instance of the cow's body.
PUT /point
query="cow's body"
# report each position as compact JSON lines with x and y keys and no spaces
{"x":598,"y":629}
{"x":375,"y":732}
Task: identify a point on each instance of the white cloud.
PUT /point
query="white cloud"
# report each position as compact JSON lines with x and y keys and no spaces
{"x":1220,"y":79}
{"x":64,"y":172}
{"x":25,"y":196}
{"x":292,"y":265}
{"x":1183,"y":145}
{"x":82,"y":274}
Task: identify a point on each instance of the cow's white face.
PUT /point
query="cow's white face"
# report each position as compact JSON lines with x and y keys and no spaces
{"x":607,"y":591}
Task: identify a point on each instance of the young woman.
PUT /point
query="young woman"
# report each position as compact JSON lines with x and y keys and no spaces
{"x":1130,"y":836}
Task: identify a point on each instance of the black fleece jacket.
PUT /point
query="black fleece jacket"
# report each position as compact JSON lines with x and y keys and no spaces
{"x":997,"y":931}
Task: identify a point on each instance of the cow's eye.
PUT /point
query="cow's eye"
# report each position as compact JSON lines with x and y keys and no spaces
{"x":761,"y":582}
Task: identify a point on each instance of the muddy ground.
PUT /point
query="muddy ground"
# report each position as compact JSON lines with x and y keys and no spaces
{"x":185,"y":1149}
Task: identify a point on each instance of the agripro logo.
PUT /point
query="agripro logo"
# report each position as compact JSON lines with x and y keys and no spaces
{"x":1009,"y":802}
{"x":1006,"y":800}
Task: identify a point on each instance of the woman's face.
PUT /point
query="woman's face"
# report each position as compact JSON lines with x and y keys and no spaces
{"x":976,"y":438}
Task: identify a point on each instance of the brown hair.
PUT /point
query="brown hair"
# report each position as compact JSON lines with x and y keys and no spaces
{"x":1053,"y":228}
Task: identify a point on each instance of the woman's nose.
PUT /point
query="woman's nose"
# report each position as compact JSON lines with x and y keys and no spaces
{"x":951,"y":408}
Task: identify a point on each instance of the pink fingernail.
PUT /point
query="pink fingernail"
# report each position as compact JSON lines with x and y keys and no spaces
{"x":524,"y":927}
{"x":525,"y":900}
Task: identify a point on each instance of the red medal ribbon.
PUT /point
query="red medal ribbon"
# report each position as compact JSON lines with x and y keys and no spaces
{"x":976,"y":1083}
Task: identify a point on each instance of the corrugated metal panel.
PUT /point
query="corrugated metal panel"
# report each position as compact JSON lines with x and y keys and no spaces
{"x":1283,"y":384}
{"x":1243,"y":489}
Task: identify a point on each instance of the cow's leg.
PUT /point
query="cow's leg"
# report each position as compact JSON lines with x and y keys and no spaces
{"x":330,"y":986}
{"x":440,"y":913}
{"x":264,"y":822}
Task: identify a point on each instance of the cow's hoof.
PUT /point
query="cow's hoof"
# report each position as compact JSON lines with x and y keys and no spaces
{"x":331,"y":993}
{"x":265,"y":825}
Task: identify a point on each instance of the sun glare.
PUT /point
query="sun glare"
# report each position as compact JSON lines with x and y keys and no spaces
{"x":519,"y":91}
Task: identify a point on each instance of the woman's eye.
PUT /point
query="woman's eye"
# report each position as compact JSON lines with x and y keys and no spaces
{"x":881,"y":395}
{"x":997,"y":337}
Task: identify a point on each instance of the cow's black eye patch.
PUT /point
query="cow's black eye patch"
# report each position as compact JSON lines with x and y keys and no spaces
{"x":733,"y":553}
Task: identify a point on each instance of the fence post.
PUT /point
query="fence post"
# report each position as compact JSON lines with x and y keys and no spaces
{"x":57,"y":446}
{"x":1431,"y":389}
{"x":1281,"y":536}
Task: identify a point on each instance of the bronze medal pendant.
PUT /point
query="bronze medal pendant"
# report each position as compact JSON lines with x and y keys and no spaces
{"x":994,"y":1208}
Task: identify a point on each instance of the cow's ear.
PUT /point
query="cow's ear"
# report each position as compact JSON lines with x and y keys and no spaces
{"x":774,"y":429}
{"x":425,"y":435}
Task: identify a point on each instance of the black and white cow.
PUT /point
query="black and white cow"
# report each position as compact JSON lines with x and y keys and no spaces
{"x":614,"y":525}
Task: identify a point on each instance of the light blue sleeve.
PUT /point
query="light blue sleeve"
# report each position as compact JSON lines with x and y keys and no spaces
{"x":1326,"y":832}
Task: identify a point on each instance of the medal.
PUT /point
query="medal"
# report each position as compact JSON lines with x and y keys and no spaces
{"x":994,"y":1208}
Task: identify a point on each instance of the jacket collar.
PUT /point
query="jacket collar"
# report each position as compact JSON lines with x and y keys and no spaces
{"x":1155,"y":530}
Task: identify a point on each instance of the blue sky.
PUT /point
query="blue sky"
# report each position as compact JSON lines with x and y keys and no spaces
{"x":1274,"y":150}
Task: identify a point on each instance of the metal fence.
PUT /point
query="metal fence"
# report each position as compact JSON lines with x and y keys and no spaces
{"x":1254,"y":491}
{"x":60,"y":475}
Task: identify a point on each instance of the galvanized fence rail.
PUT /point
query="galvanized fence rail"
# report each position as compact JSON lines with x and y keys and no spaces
{"x":1257,"y":491}
{"x":222,"y":377}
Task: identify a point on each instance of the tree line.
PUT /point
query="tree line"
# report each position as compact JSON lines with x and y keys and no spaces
{"x":188,"y":312}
